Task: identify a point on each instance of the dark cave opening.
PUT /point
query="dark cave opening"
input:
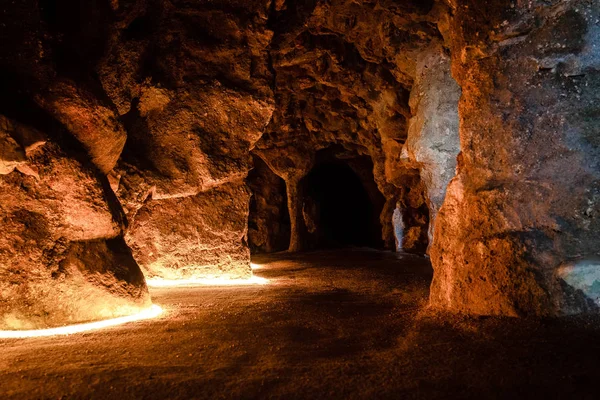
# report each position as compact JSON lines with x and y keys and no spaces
{"x":340,"y":209}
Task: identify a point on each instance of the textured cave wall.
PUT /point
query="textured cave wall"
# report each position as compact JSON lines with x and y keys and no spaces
{"x":63,"y":258}
{"x":268,"y":221}
{"x":162,"y":101}
{"x":63,"y":255}
{"x":194,"y":236}
{"x":343,"y":76}
{"x":192,"y":85}
{"x":518,"y":231}
{"x":166,"y":100}
{"x":433,"y":140}
{"x":195,"y":145}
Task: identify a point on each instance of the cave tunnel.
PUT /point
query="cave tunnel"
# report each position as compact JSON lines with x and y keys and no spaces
{"x":338,"y":210}
{"x":299,"y":199}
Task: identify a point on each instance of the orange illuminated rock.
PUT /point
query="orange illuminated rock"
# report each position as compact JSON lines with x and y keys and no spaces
{"x":525,"y":202}
{"x":197,"y":236}
{"x":170,"y":102}
{"x":62,"y":254}
{"x":94,"y":124}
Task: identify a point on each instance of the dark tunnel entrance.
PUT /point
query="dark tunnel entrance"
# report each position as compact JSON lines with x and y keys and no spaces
{"x":342,"y":204}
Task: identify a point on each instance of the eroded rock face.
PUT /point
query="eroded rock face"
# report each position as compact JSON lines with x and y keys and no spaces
{"x":189,"y":140}
{"x":201,"y":236}
{"x":268,"y":222}
{"x":524,"y":205}
{"x":62,"y":254}
{"x":94,"y":123}
{"x":433,"y":143}
{"x":343,"y":73}
{"x":192,"y":85}
{"x":169,"y":100}
{"x":188,"y":85}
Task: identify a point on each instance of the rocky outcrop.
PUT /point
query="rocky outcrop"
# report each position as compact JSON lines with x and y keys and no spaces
{"x":94,"y":124}
{"x":201,"y":236}
{"x":522,"y":213}
{"x":186,"y":86}
{"x":343,"y":73}
{"x":162,"y":105}
{"x":433,"y":143}
{"x":62,"y":254}
{"x":189,"y":140}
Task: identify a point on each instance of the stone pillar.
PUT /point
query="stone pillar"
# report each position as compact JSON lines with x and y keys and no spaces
{"x":398,"y":227}
{"x":291,"y":164}
{"x":521,"y":220}
{"x":433,"y":143}
{"x":297,"y":225}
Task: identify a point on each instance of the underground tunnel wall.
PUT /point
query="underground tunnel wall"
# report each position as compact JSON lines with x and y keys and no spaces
{"x":167,"y":101}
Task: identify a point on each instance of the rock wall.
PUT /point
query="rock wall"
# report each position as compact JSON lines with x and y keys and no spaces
{"x":63,"y":258}
{"x":268,"y":222}
{"x":520,"y":219}
{"x":343,"y":75}
{"x":163,"y":101}
{"x":192,"y":85}
{"x":160,"y":104}
{"x":201,"y":236}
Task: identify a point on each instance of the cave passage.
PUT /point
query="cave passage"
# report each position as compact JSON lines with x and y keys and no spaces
{"x":338,"y":209}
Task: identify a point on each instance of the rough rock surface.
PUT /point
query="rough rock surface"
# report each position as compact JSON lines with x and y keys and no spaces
{"x":171,"y":99}
{"x":433,"y":143}
{"x":94,"y":124}
{"x":192,"y":86}
{"x":524,"y":204}
{"x":200,"y":236}
{"x":191,"y":139}
{"x":343,"y":73}
{"x":187,"y":84}
{"x":62,"y":254}
{"x":268,"y":222}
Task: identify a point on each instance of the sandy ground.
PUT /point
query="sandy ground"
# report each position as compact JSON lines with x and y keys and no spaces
{"x":345,"y":324}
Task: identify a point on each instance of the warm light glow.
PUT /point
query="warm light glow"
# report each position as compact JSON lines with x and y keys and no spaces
{"x":255,"y":266}
{"x":151,"y":312}
{"x":159,"y":282}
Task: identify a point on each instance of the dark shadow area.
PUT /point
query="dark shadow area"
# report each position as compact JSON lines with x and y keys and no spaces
{"x":269,"y":219}
{"x":339,"y":210}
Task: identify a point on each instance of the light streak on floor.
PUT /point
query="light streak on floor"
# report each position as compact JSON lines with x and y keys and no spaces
{"x":151,"y":312}
{"x":159,"y":282}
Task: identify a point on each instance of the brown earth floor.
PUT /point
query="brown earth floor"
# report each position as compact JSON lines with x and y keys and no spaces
{"x":339,"y":324}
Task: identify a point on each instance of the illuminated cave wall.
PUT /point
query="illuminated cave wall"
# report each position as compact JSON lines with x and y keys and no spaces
{"x":63,"y":256}
{"x":518,"y":231}
{"x":129,"y":128}
{"x":344,"y":73}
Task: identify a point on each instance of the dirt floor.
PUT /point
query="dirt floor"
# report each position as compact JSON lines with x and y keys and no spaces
{"x":343,"y":324}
